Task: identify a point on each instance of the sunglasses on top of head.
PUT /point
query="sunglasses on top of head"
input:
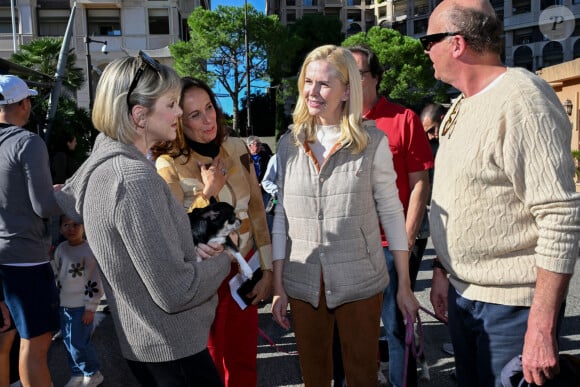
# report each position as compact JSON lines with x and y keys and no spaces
{"x":144,"y":61}
{"x":428,"y":41}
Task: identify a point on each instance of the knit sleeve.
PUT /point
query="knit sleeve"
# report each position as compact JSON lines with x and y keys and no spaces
{"x":93,"y":284}
{"x":541,"y":169}
{"x":155,"y":231}
{"x":257,"y":216}
{"x":386,"y":196}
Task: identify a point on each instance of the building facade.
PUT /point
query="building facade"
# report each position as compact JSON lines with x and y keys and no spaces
{"x":126,"y":26}
{"x":565,"y":80}
{"x":526,"y":45}
{"x":537,"y":37}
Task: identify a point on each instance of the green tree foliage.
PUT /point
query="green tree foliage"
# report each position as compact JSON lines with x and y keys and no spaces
{"x":311,"y":31}
{"x":69,"y":119}
{"x":42,"y":55}
{"x":217,"y":38}
{"x":409,"y":73}
{"x":263,"y":111}
{"x":576,"y":156}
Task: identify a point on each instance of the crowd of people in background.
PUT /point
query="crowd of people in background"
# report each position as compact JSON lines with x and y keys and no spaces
{"x":337,"y":221}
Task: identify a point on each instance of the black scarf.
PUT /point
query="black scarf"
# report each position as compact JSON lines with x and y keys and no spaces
{"x":211,"y":149}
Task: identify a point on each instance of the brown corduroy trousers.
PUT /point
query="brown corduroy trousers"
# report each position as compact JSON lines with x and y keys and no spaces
{"x":358,"y":325}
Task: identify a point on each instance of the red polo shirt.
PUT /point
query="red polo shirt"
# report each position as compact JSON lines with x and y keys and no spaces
{"x":407,"y":140}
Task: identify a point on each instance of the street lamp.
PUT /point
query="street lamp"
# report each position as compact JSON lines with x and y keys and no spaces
{"x":568,"y":106}
{"x":88,"y":42}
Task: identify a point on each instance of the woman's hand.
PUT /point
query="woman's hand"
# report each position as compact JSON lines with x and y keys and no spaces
{"x":280,"y":307}
{"x":214,"y":177}
{"x":207,"y":251}
{"x":408,"y":304}
{"x":263,"y":288}
{"x":280,"y":300}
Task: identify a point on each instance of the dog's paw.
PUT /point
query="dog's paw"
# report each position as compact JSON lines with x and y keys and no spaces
{"x":425,"y":375}
{"x":381,"y":379}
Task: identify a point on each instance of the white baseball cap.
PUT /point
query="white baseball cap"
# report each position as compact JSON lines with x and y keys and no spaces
{"x":14,"y":89}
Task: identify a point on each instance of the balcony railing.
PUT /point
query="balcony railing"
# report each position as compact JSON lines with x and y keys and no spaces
{"x":101,"y":2}
{"x":422,"y":11}
{"x":333,"y":3}
{"x":53,"y":4}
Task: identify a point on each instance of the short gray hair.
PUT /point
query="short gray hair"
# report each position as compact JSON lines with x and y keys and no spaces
{"x":482,"y":30}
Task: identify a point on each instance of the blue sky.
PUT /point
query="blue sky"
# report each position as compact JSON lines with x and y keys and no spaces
{"x":260,"y":5}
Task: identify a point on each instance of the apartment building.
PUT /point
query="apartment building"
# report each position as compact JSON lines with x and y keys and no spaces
{"x":525,"y":43}
{"x":126,"y":26}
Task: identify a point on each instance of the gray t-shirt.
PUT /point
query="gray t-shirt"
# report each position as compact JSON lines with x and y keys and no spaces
{"x":26,"y":197}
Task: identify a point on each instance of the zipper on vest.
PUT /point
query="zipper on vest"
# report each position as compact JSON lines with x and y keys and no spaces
{"x":365,"y":239}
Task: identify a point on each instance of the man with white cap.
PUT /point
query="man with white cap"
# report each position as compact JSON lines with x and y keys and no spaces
{"x":26,"y":205}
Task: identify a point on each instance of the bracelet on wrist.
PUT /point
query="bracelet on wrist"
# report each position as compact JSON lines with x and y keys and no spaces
{"x":437,"y":264}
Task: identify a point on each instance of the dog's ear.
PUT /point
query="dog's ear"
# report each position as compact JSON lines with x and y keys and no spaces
{"x":212,"y":200}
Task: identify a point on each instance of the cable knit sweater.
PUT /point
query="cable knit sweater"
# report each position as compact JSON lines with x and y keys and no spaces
{"x":504,"y":200}
{"x":162,"y":301}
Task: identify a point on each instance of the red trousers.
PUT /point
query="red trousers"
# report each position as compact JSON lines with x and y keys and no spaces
{"x":233,"y":339}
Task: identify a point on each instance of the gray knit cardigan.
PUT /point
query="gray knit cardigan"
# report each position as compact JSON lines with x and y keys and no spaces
{"x":162,"y":301}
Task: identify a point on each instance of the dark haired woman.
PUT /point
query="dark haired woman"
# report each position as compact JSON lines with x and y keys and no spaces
{"x":204,"y":162}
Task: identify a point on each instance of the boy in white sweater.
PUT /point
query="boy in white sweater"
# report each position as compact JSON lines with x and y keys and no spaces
{"x":80,"y":288}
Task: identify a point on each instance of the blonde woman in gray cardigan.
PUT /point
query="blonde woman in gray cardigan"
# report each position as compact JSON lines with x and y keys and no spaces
{"x":329,"y":262}
{"x":162,"y":301}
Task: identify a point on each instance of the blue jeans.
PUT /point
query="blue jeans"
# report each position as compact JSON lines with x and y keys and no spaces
{"x":76,"y":336}
{"x":395,"y":331}
{"x":269,"y":216}
{"x":485,"y":338}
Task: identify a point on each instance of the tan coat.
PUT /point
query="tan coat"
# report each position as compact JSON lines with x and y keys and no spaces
{"x":241,"y":191}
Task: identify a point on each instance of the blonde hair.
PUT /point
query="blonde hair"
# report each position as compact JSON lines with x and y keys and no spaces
{"x":111,"y":114}
{"x":352,"y":133}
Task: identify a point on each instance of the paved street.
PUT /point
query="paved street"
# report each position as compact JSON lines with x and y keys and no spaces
{"x":279,"y":366}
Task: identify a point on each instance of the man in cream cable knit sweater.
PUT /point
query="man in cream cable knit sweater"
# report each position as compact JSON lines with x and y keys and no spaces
{"x":505,"y":217}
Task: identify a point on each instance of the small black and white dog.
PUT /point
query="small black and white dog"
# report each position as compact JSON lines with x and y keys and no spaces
{"x":213,"y":224}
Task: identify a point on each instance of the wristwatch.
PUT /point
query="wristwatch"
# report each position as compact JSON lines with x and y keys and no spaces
{"x":437,"y":264}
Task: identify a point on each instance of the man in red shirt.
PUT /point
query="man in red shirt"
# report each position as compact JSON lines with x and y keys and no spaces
{"x":412,"y":159}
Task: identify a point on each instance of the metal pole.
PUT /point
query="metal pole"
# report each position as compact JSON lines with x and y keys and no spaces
{"x":59,"y":76}
{"x":13,"y":25}
{"x":89,"y":69}
{"x":88,"y":42}
{"x":249,"y":125}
